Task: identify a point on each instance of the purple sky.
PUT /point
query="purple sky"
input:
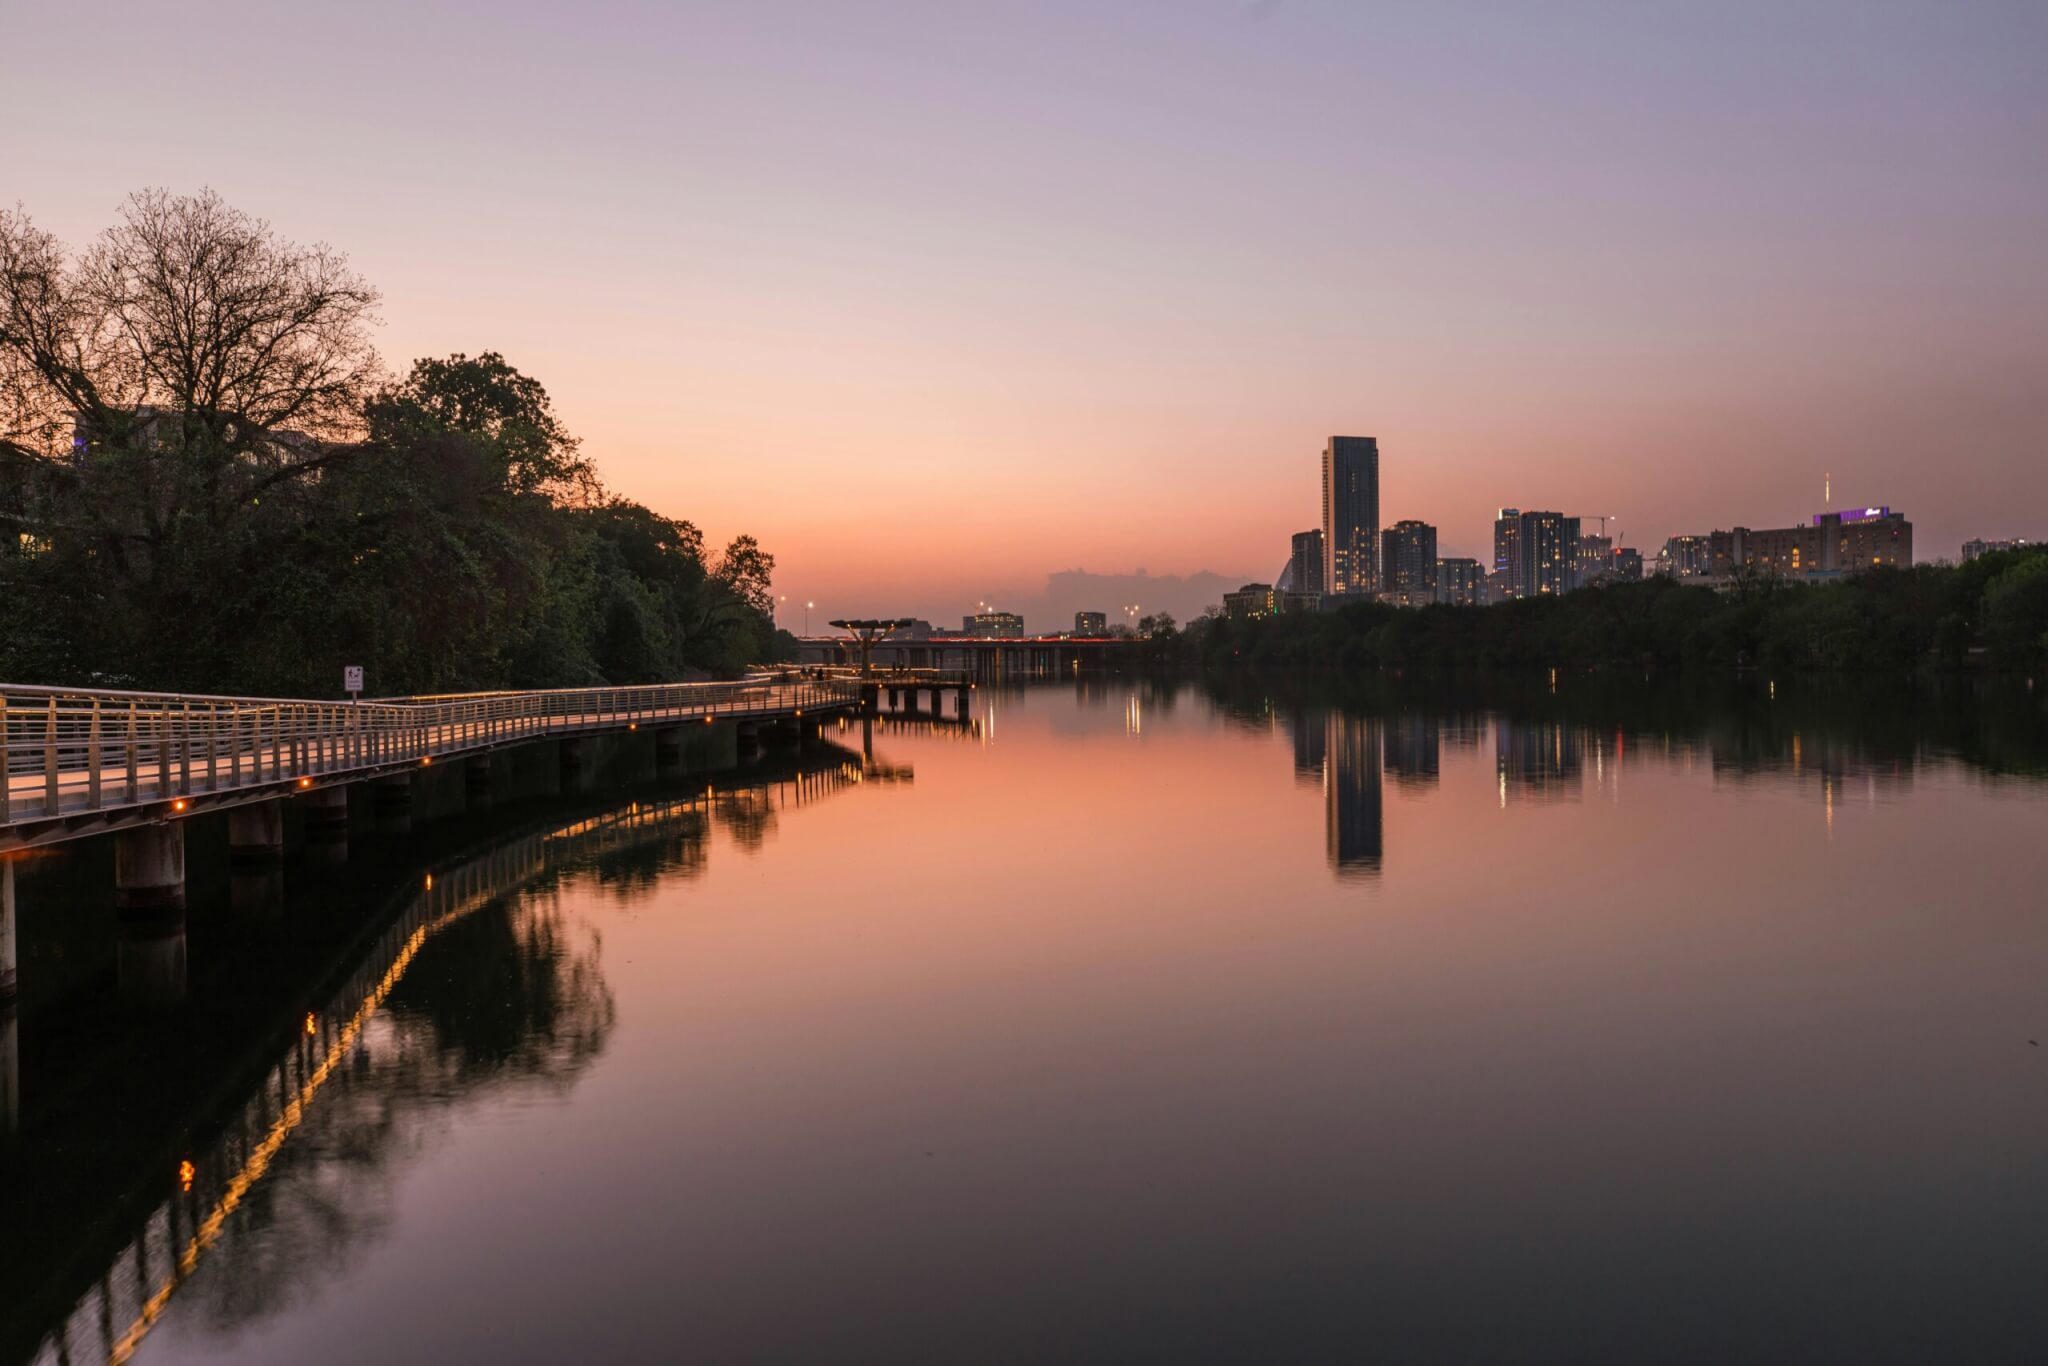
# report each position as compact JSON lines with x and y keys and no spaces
{"x":937,"y":297}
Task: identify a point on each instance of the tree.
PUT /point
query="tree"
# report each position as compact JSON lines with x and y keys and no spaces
{"x":507,"y":413}
{"x":159,"y":395}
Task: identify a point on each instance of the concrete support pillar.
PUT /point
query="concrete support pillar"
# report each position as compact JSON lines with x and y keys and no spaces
{"x":149,"y":905}
{"x":668,"y":750}
{"x":256,"y":832}
{"x":478,"y":787}
{"x":149,"y":958}
{"x":393,"y":798}
{"x":10,"y":1070}
{"x":149,"y":872}
{"x":256,"y":891}
{"x":750,"y":740}
{"x":327,"y":824}
{"x":9,"y":983}
{"x":576,"y":764}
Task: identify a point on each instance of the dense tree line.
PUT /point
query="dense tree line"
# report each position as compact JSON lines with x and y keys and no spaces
{"x":208,"y":483}
{"x":1992,"y":611}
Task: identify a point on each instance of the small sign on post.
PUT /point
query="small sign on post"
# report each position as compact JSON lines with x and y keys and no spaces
{"x":352,"y":682}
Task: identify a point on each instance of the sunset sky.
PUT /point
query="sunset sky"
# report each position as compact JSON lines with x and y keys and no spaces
{"x":937,"y":296}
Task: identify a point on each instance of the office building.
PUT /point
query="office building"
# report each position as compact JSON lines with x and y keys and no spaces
{"x":1546,"y":546}
{"x":1252,"y":600}
{"x":1091,"y":623}
{"x":1305,"y":565}
{"x":1408,"y":562}
{"x":1627,"y":566}
{"x":1973,"y":549}
{"x":993,"y":624}
{"x":1595,"y":560}
{"x":1685,"y":557}
{"x":1351,"y":515}
{"x":1832,"y":543}
{"x":1460,"y":582}
{"x":1507,"y":557}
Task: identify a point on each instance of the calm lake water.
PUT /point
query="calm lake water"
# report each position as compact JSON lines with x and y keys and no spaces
{"x":1423,"y":1021}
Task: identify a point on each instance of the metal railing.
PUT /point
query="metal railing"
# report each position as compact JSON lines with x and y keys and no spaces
{"x":69,"y":751}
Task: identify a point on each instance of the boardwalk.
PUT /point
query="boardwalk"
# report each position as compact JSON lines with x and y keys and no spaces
{"x":79,"y":762}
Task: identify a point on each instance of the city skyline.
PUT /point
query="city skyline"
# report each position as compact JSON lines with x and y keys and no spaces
{"x":1052,"y":287}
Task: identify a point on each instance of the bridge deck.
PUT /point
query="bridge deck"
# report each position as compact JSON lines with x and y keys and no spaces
{"x":78,"y":762}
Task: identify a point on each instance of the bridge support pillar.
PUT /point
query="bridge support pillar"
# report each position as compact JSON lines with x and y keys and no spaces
{"x":327,"y":824}
{"x":149,"y":960}
{"x":393,"y":798}
{"x":477,"y":782}
{"x":256,"y":833}
{"x":9,"y":983}
{"x":10,"y":1070}
{"x":668,"y":751}
{"x":149,"y":872}
{"x":149,"y":906}
{"x":256,"y":891}
{"x":575,"y":764}
{"x":750,"y":747}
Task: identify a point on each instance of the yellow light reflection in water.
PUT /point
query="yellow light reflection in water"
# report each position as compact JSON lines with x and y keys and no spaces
{"x":252,"y":1170}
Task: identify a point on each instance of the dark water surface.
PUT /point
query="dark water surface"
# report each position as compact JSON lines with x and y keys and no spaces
{"x":1133,"y":1022}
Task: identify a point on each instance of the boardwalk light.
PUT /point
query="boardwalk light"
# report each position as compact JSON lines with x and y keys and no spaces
{"x":426,"y":759}
{"x":178,"y":805}
{"x":305,"y":782}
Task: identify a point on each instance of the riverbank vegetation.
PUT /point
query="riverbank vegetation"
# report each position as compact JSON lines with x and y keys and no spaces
{"x":208,"y":482}
{"x":1991,"y":612}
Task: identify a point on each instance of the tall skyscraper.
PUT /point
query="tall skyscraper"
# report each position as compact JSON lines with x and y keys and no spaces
{"x":1507,"y":555}
{"x":1306,"y":564}
{"x":1546,"y":545}
{"x":1461,"y":582}
{"x":1351,"y":515}
{"x":1408,"y":561}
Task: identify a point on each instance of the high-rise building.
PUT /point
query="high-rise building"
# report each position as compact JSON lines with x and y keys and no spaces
{"x":1596,"y":559}
{"x":1305,"y":566}
{"x":1628,"y":565}
{"x":1408,"y":561}
{"x":1461,"y":582}
{"x":1546,"y":546}
{"x":1974,"y":549}
{"x":1091,"y":623}
{"x":1351,"y":515}
{"x":1252,"y":600}
{"x":1686,"y":557}
{"x":1832,"y":543}
{"x":1507,"y":555}
{"x":993,"y":623}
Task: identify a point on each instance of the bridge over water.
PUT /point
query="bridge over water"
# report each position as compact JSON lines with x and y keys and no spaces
{"x":139,"y":766}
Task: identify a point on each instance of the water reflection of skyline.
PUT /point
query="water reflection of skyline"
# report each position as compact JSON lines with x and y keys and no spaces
{"x":1352,"y":756}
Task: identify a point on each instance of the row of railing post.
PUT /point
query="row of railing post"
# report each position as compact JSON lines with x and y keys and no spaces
{"x":153,"y":748}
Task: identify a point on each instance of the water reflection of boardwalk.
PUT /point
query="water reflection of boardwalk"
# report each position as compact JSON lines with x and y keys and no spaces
{"x":353,"y":1055}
